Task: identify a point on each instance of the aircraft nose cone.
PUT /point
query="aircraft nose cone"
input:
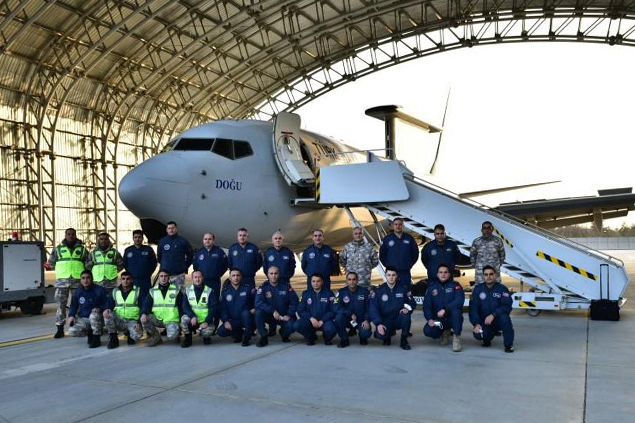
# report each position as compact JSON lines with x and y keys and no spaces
{"x":157,"y":188}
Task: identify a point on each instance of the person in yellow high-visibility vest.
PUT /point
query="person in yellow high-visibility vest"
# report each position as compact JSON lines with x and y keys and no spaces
{"x":123,"y":311}
{"x":162,"y":309}
{"x":105,"y":262}
{"x":67,"y":259}
{"x":200,"y":305}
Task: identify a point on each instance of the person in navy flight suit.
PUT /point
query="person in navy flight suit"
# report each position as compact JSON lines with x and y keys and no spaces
{"x":281,"y":257}
{"x":319,"y":258}
{"x":175,"y":254}
{"x":276,"y":304}
{"x":211,"y":261}
{"x":140,"y":261}
{"x":237,"y":309}
{"x":443,"y":308}
{"x":316,"y":312}
{"x":439,"y":250}
{"x":490,"y":310}
{"x":400,"y":251}
{"x":246,"y":257}
{"x":85,"y":315}
{"x":351,"y":307}
{"x":391,"y":307}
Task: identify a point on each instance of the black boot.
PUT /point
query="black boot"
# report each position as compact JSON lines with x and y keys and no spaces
{"x":263,"y":341}
{"x":272,"y":331}
{"x":363,"y":341}
{"x":246,"y":342}
{"x":95,"y":341}
{"x":129,"y":340}
{"x":404,"y":343}
{"x":89,"y":336}
{"x":207,"y":341}
{"x":387,"y":340}
{"x":60,"y":332}
{"x":187,"y":340}
{"x":343,"y":343}
{"x":113,"y":342}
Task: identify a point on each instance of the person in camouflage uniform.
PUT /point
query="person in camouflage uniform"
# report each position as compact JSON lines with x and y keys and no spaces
{"x":487,"y":250}
{"x":360,"y":257}
{"x":105,"y":262}
{"x":85,"y":315}
{"x":122,"y":312}
{"x":67,"y":259}
{"x":162,"y":309}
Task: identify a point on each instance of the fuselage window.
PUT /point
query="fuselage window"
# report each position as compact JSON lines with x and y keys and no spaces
{"x":242,"y":149}
{"x":223,"y":147}
{"x":195,"y":144}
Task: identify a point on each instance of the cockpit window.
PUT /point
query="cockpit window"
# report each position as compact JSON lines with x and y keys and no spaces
{"x":242,"y":149}
{"x":169,"y":146}
{"x":223,"y":147}
{"x":227,"y":148}
{"x":195,"y":144}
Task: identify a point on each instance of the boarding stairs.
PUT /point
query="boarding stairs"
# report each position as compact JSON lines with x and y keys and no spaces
{"x":561,"y":273}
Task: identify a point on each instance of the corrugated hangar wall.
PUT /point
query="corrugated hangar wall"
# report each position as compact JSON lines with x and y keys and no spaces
{"x":89,"y":88}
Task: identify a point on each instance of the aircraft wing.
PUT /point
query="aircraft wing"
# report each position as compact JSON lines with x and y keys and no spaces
{"x":558,"y":212}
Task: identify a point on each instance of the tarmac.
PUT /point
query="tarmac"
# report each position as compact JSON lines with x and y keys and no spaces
{"x":566,"y":368}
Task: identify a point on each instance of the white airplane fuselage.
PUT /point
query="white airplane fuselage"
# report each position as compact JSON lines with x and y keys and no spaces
{"x":203,"y":191}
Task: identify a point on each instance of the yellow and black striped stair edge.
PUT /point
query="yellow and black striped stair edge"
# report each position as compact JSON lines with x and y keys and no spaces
{"x":566,"y":265}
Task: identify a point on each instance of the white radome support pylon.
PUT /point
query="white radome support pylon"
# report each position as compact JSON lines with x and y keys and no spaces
{"x":562,"y":273}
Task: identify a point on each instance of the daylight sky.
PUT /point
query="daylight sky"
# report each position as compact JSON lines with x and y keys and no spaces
{"x":518,"y":113}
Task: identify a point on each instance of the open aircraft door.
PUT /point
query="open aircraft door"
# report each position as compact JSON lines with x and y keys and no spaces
{"x":287,"y":150}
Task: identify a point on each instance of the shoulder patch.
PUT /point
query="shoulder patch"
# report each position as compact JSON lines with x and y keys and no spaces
{"x":458,"y":287}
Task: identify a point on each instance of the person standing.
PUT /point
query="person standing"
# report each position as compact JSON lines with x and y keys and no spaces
{"x":246,"y":257}
{"x":438,"y":251}
{"x":486,"y":250}
{"x":319,"y":258}
{"x":68,"y":261}
{"x":212,"y":262}
{"x":105,"y":262}
{"x":140,"y":261}
{"x":280,"y":257}
{"x":174,"y":254}
{"x":399,"y":250}
{"x":359,"y":257}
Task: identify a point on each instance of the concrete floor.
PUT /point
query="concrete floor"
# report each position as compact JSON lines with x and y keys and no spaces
{"x":566,"y":368}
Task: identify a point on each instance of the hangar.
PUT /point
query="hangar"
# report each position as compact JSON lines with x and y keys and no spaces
{"x":89,"y":88}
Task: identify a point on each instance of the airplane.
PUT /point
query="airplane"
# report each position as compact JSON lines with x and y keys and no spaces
{"x":228,"y":174}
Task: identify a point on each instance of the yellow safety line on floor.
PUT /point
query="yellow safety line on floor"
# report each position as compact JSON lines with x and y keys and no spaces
{"x":26,"y":340}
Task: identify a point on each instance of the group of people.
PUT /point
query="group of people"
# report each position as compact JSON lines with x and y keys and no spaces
{"x":240,"y":308}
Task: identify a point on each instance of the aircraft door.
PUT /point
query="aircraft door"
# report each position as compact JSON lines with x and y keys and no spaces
{"x":287,"y":150}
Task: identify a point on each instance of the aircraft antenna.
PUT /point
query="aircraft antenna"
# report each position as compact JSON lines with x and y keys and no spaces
{"x":445,"y":112}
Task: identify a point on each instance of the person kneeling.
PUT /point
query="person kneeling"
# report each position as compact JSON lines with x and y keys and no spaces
{"x":490,"y":310}
{"x":391,"y":308}
{"x":122,"y":312}
{"x":84,"y":317}
{"x":351,"y":305}
{"x":237,"y":309}
{"x":162,"y":309}
{"x":443,"y":308}
{"x":316,"y":312}
{"x":276,"y":304}
{"x":199,"y":308}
